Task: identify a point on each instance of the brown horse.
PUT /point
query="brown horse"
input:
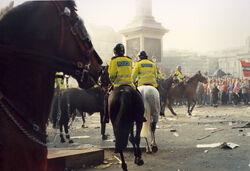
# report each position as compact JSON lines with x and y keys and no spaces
{"x":125,"y":107}
{"x":189,"y":93}
{"x":37,"y":39}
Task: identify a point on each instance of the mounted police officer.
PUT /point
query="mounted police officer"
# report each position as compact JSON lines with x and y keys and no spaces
{"x":145,"y":72}
{"x":59,"y":82}
{"x":59,"y":87}
{"x":120,"y":73}
{"x":180,"y":77}
{"x":120,"y":68}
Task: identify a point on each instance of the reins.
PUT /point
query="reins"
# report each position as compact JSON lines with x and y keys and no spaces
{"x":34,"y":127}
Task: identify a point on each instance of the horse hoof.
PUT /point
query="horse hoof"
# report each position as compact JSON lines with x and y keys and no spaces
{"x":84,"y":126}
{"x":71,"y":141}
{"x":189,"y":115}
{"x":162,"y":114}
{"x":139,"y":161}
{"x":148,"y":152}
{"x":154,"y":149}
{"x":67,"y":136}
{"x":124,"y":167}
{"x":62,"y":140}
{"x":104,"y":137}
{"x":174,"y":114}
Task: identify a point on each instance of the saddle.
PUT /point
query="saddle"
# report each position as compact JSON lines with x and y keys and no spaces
{"x":148,"y":84}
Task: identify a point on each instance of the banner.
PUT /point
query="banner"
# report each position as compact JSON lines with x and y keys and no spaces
{"x":245,"y":68}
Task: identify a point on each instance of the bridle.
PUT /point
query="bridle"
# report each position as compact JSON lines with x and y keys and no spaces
{"x":73,"y":21}
{"x":76,"y":67}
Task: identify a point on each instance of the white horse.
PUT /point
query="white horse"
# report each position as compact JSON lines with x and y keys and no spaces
{"x":151,"y":99}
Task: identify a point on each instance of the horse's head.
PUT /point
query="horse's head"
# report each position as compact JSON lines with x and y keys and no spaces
{"x":104,"y":77}
{"x":201,"y":78}
{"x":75,"y":44}
{"x":54,"y":37}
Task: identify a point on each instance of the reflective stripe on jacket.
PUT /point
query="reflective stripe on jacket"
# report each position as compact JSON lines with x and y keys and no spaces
{"x":120,"y":71}
{"x":145,"y":72}
{"x":180,"y":76}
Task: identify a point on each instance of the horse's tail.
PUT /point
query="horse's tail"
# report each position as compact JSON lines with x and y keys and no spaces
{"x":151,"y":100}
{"x":146,"y":125}
{"x":124,"y":122}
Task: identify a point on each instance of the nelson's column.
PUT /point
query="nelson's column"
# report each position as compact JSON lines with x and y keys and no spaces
{"x":144,"y":33}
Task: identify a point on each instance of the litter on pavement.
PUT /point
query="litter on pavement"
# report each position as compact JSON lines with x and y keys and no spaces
{"x":103,"y":166}
{"x":79,"y":137}
{"x":224,"y":145}
{"x":229,"y":145}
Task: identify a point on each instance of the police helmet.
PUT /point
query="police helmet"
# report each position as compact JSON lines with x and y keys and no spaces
{"x":178,"y":68}
{"x":119,"y":49}
{"x":143,"y":55}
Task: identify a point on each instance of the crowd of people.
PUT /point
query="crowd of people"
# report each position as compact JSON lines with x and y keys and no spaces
{"x":223,"y":91}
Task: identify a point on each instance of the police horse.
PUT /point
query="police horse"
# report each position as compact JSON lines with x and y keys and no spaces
{"x":38,"y":39}
{"x":84,"y":100}
{"x":174,"y":92}
{"x":125,"y":107}
{"x":151,"y":99}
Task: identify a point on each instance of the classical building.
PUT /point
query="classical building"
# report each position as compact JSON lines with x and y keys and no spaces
{"x":190,"y":62}
{"x":230,"y":61}
{"x":144,"y":33}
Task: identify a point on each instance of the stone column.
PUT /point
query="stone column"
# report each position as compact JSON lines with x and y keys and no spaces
{"x":144,"y":33}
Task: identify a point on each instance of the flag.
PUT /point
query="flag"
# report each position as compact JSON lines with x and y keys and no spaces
{"x":245,"y":68}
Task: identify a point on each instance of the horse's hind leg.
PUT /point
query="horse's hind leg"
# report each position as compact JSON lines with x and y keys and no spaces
{"x":73,"y":119}
{"x":103,"y":126}
{"x":61,"y":133}
{"x":132,"y":141}
{"x":163,"y":105}
{"x":83,"y":114}
{"x":192,"y":108}
{"x":124,"y":165}
{"x":170,"y":107}
{"x":138,"y":159}
{"x":66,"y":128}
{"x":154,"y":145}
{"x":148,"y":150}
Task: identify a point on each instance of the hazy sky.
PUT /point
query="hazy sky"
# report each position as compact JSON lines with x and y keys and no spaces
{"x":198,"y":25}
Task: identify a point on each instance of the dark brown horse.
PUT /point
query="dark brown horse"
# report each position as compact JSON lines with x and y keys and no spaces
{"x":189,"y":93}
{"x":125,"y":106}
{"x":84,"y":100}
{"x":37,"y":39}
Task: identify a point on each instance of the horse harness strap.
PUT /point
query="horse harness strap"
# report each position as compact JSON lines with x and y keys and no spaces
{"x":74,"y":33}
{"x":34,"y":127}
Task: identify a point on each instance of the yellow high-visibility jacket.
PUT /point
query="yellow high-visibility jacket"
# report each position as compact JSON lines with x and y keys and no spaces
{"x":96,"y":86}
{"x":159,"y":75}
{"x":120,"y":71}
{"x":145,"y":72}
{"x":59,"y":81}
{"x":180,"y":76}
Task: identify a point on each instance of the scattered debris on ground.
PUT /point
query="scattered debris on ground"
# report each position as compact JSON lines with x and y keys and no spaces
{"x":203,"y":137}
{"x":119,"y":161}
{"x":103,"y":166}
{"x":79,"y":137}
{"x":224,"y":145}
{"x":229,"y":145}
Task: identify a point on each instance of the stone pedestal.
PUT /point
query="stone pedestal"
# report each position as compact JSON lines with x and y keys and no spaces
{"x":144,"y":33}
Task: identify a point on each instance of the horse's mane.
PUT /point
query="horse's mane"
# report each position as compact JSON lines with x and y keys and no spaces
{"x":192,"y":78}
{"x":72,"y":5}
